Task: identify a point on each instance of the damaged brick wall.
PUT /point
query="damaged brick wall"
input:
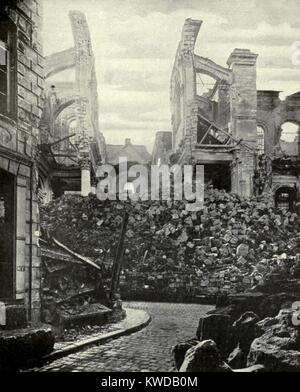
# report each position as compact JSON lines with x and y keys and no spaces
{"x":231,"y":104}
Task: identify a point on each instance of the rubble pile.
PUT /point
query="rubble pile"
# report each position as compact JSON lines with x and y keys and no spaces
{"x":232,"y":244}
{"x":240,"y":339}
{"x":72,"y":292}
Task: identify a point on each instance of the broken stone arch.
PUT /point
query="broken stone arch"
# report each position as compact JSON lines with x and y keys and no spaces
{"x":63,"y":106}
{"x":277,"y":187}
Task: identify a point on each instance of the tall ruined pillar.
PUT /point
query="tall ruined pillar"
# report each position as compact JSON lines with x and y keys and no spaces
{"x":85,"y":167}
{"x":223,"y":113}
{"x":184,"y":106}
{"x":188,"y":39}
{"x":243,"y":105}
{"x":84,"y":161}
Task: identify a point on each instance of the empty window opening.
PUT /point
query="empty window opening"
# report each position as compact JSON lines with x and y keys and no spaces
{"x":7,"y":68}
{"x":218,"y":175}
{"x":285,"y":198}
{"x":260,"y":141}
{"x":289,"y":138}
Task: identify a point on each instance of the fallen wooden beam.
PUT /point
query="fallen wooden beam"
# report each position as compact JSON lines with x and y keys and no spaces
{"x":84,"y":259}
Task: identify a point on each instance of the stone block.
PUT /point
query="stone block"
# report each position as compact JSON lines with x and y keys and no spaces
{"x":216,"y":327}
{"x":16,"y":317}
{"x":22,"y":347}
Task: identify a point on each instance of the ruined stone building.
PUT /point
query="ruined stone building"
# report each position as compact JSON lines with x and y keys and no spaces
{"x":233,"y":129}
{"x":72,"y":145}
{"x":21,"y":84}
{"x":50,"y":143}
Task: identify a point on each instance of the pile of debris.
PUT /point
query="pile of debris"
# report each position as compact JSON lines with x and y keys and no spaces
{"x":255,"y":332}
{"x":73,"y":294}
{"x":231,"y":244}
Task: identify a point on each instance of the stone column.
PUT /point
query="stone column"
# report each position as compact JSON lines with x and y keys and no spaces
{"x":223,"y":92}
{"x":243,"y":106}
{"x":85,"y":167}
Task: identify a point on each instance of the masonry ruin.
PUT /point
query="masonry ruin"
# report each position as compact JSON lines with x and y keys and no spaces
{"x":72,"y":145}
{"x":234,"y":130}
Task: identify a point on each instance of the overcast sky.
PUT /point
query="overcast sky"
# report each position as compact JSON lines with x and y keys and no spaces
{"x":135,"y":41}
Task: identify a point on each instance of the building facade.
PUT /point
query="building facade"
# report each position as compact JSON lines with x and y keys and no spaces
{"x":21,"y":104}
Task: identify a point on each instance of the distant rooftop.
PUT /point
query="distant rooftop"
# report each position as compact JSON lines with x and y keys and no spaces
{"x":133,"y":153}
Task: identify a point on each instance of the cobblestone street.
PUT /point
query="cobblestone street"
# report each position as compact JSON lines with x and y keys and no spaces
{"x":146,"y":350}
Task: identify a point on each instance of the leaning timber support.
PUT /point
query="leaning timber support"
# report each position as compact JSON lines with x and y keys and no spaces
{"x":118,"y":260}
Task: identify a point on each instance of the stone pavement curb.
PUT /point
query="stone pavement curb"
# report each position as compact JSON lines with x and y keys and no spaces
{"x":129,"y":327}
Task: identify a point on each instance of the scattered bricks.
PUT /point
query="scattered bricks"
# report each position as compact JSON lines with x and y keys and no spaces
{"x":160,"y":244}
{"x":242,"y":250}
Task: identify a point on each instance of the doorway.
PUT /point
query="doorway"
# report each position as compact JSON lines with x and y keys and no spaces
{"x":285,"y":198}
{"x":218,"y":175}
{"x":7,"y":234}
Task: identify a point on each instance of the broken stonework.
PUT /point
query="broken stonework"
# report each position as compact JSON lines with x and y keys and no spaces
{"x":23,"y":347}
{"x":171,"y":257}
{"x":237,"y":359}
{"x":180,"y":350}
{"x":216,"y":327}
{"x":278,"y":348}
{"x":242,"y":250}
{"x":204,"y":357}
{"x":244,"y":330}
